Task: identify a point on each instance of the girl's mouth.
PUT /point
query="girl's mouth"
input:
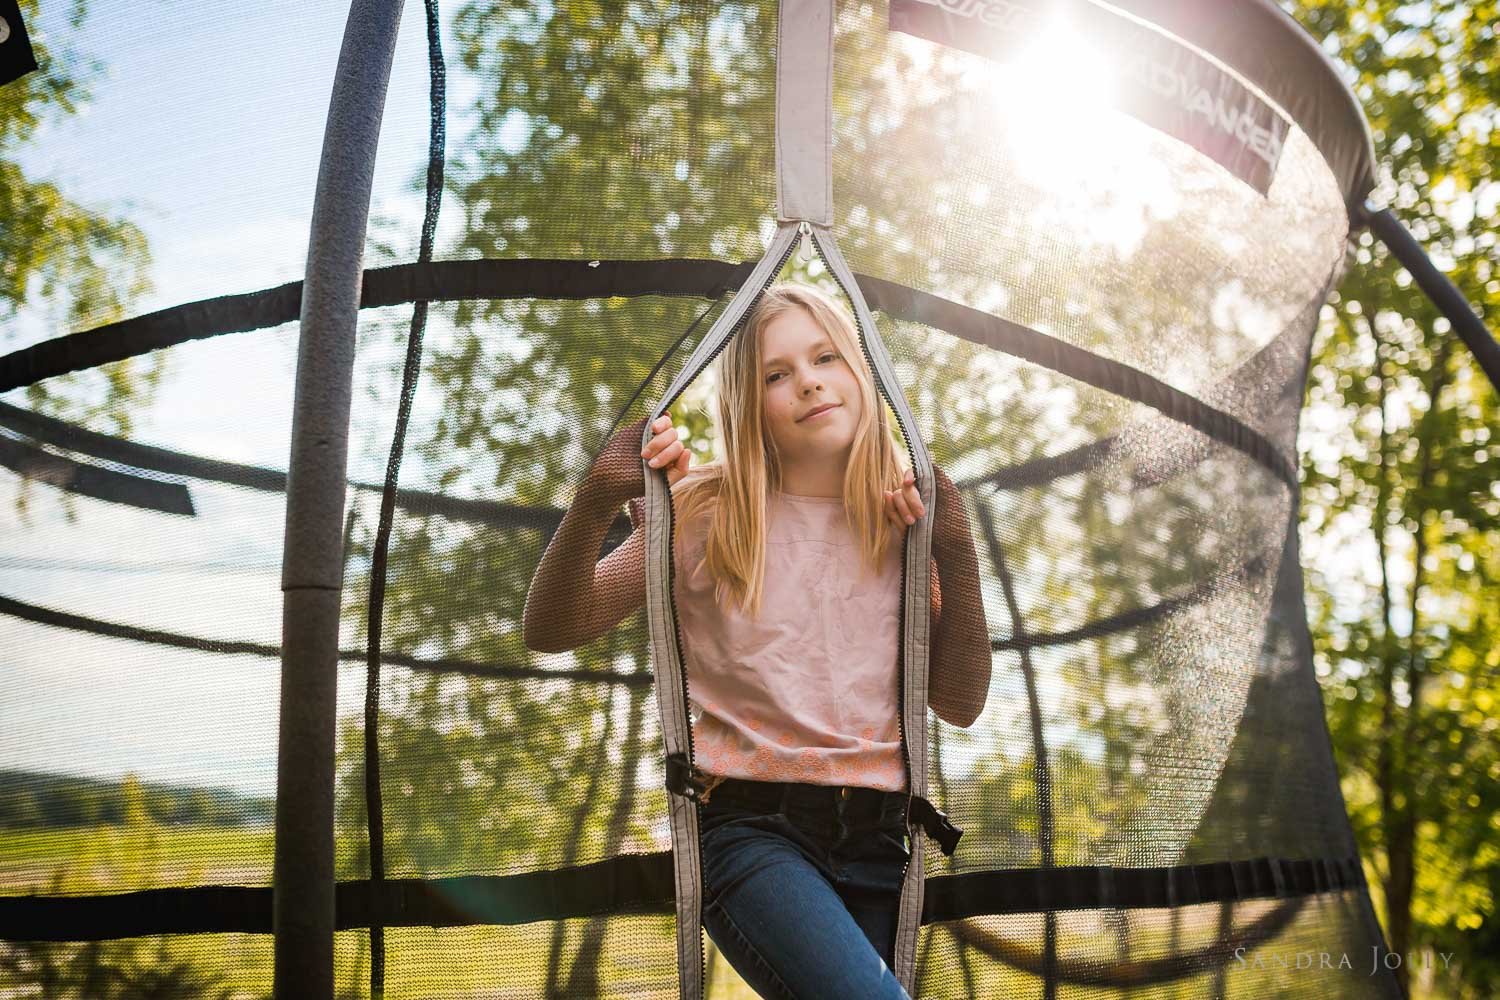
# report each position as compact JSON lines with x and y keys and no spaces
{"x":815,"y":415}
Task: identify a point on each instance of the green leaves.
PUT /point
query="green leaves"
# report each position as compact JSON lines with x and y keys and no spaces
{"x":1412,"y":624}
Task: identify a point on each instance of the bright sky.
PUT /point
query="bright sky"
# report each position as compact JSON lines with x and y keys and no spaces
{"x":226,"y":101}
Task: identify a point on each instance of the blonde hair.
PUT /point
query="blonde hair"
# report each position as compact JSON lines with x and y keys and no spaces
{"x":735,"y":492}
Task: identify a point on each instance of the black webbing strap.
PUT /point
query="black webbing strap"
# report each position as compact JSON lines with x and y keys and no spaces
{"x":506,"y":278}
{"x":642,"y":883}
{"x":398,"y":284}
{"x":1074,"y":887}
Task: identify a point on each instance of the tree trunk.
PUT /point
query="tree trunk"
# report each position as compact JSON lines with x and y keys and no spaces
{"x":1401,"y":827}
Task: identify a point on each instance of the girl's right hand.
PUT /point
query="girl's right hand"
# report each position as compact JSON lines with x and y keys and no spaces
{"x":664,"y":451}
{"x":616,"y":475}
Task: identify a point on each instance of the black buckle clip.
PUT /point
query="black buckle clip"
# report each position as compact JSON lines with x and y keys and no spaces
{"x":683,"y":778}
{"x":937,"y":824}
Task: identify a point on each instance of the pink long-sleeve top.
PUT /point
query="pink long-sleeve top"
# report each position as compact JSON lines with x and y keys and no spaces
{"x":809,"y":691}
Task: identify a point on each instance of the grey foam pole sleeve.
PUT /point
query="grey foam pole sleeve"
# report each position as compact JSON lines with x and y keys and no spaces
{"x":312,"y":553}
{"x":804,"y":111}
{"x":1449,"y":300}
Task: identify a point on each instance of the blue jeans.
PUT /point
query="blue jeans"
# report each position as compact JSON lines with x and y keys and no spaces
{"x":800,"y":886}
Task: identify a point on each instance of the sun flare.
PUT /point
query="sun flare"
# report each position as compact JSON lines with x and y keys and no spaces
{"x":1054,"y":114}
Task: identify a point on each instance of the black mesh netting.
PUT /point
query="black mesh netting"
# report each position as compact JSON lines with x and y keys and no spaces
{"x":1100,"y":333}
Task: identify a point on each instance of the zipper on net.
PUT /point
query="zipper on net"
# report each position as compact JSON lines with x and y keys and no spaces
{"x":912,"y":459}
{"x":672,"y":596}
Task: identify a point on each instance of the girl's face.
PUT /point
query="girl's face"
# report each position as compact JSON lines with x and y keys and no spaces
{"x":803,"y":371}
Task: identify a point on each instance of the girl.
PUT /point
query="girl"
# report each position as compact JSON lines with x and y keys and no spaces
{"x":787,"y":583}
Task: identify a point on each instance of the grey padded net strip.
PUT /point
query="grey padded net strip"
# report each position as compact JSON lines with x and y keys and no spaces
{"x":804,"y":111}
{"x":665,"y":655}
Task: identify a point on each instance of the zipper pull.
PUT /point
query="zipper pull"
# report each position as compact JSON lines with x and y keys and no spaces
{"x":804,"y":241}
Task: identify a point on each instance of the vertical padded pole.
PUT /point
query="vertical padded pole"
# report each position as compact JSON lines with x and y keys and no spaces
{"x":804,"y":111}
{"x":312,"y":553}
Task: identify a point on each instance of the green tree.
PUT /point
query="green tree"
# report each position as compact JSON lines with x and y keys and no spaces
{"x":71,"y":266}
{"x":1408,"y":653}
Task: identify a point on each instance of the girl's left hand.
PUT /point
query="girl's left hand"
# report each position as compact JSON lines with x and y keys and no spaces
{"x":904,"y":506}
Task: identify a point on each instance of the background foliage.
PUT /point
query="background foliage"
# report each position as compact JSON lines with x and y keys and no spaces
{"x":1399,"y":464}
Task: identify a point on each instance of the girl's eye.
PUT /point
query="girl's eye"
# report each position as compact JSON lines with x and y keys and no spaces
{"x":826,"y":354}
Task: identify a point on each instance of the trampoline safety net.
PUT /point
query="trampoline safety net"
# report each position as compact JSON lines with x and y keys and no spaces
{"x":1086,"y":246}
